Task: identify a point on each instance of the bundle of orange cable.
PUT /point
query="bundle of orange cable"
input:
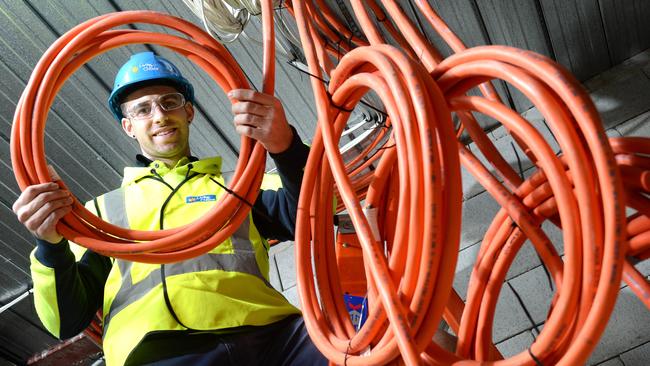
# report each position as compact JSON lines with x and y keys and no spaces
{"x":587,"y":202}
{"x":68,"y":54}
{"x":429,"y":206}
{"x":633,"y":158}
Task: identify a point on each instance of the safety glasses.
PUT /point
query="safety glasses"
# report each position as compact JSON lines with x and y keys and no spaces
{"x":144,"y":108}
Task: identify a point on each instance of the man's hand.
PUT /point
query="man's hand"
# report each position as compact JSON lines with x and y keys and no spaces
{"x":261,"y":117}
{"x":40,"y":207}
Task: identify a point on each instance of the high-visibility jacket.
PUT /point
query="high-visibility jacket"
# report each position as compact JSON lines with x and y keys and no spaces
{"x":220,"y":291}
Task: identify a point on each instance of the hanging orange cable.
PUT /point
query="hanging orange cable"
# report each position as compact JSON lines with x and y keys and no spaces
{"x":591,"y":263}
{"x":429,"y":199}
{"x":633,"y":157}
{"x":587,"y":202}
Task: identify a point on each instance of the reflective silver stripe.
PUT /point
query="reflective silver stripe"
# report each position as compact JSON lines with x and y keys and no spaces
{"x":242,"y":260}
{"x":244,"y":252}
{"x":115,"y":205}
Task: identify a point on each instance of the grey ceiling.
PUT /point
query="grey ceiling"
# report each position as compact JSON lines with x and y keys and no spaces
{"x":88,"y":149}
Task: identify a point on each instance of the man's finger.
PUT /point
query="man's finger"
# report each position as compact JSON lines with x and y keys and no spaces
{"x":46,"y":197}
{"x":248,"y":95}
{"x":50,"y":222}
{"x":38,"y":217}
{"x":249,"y":120}
{"x":31,"y":192}
{"x":250,"y":131}
{"x":252,"y":108}
{"x":55,"y":176}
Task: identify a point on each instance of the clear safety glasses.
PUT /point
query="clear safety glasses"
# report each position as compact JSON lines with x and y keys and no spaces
{"x":144,"y":108}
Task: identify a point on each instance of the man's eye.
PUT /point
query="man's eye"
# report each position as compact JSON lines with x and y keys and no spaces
{"x":169,"y":103}
{"x":141,"y":110}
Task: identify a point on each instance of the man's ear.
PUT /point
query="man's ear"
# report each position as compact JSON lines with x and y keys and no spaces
{"x":127,"y":126}
{"x":189,"y":109}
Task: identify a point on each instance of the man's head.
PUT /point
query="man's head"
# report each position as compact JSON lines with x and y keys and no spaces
{"x":153,"y":101}
{"x":162,"y":134}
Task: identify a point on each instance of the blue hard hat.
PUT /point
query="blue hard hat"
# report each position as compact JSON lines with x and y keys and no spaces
{"x":142,"y":69}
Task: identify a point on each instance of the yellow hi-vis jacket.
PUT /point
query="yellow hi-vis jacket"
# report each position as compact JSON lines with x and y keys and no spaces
{"x":225,"y":288}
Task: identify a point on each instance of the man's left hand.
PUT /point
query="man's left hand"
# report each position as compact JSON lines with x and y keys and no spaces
{"x":260,"y":116}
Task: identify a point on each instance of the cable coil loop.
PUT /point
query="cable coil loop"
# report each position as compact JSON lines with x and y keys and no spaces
{"x":73,"y":50}
{"x":581,"y":191}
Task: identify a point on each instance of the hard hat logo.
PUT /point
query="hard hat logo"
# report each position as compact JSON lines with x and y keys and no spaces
{"x":146,"y":68}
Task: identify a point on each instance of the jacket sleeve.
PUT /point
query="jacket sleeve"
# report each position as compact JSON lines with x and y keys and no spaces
{"x":67,"y":292}
{"x":274,"y":211}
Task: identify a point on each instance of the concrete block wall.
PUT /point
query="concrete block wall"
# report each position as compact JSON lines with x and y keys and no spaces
{"x":622,"y":96}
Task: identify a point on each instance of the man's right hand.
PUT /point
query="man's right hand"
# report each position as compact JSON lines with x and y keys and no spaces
{"x":40,"y":207}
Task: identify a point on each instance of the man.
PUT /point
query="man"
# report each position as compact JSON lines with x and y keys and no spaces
{"x":214,"y":309}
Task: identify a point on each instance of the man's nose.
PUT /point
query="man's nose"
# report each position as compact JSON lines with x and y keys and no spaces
{"x":159,"y":114}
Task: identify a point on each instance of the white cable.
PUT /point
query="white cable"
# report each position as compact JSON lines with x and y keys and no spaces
{"x":290,"y":35}
{"x":16,"y":300}
{"x":253,"y":6}
{"x":226,"y":20}
{"x":222,"y":21}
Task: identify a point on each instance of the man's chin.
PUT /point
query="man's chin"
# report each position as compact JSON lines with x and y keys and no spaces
{"x":169,"y":154}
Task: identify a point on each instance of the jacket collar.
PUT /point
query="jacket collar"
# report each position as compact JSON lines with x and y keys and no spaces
{"x":144,"y":161}
{"x":147,"y":166}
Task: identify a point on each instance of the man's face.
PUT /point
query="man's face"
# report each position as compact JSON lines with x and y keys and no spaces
{"x":165,"y":135}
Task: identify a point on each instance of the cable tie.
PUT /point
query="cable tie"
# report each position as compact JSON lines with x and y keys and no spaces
{"x":327,"y":83}
{"x":308,"y":73}
{"x":386,"y":147}
{"x":537,"y":361}
{"x":329,"y":96}
{"x":347,"y":353}
{"x":242,"y":199}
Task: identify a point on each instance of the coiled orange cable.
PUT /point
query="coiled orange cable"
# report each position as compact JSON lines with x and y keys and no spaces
{"x":588,"y":204}
{"x":633,"y":157}
{"x":94,"y":37}
{"x":424,"y":148}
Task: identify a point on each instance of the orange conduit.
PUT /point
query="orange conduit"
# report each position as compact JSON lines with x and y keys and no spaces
{"x":69,"y":53}
{"x":428,"y":199}
{"x":336,"y":41}
{"x":506,"y":172}
{"x":633,"y":157}
{"x":325,"y":22}
{"x":587,"y":204}
{"x":359,"y":172}
{"x":431,"y":57}
{"x":590,"y":223}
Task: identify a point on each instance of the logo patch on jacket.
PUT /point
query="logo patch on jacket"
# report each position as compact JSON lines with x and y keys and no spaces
{"x":203,"y":198}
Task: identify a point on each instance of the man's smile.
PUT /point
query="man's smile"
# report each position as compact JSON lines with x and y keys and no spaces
{"x":164,"y":132}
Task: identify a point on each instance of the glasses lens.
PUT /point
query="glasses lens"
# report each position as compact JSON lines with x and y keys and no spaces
{"x":144,"y":108}
{"x":141,"y":109}
{"x":171,"y":101}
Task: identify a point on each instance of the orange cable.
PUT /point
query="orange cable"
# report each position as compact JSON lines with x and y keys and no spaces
{"x":69,"y":53}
